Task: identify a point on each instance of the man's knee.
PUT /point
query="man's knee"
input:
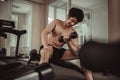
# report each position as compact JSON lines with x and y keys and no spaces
{"x":46,"y":53}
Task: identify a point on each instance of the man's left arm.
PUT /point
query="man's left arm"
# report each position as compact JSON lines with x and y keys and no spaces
{"x":73,"y":44}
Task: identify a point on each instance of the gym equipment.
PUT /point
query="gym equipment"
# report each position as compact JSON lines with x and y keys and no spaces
{"x":7,"y":23}
{"x":72,"y":36}
{"x":15,"y":68}
{"x":101,"y":57}
{"x":7,"y":27}
{"x":35,"y":58}
{"x":34,"y":55}
{"x":69,"y":65}
{"x":16,"y":32}
{"x":60,"y":39}
{"x":46,"y":72}
{"x":2,"y":52}
{"x":2,"y":34}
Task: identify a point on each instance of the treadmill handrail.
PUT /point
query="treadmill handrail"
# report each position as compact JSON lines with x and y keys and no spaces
{"x":9,"y":23}
{"x":2,"y":34}
{"x":13,"y":31}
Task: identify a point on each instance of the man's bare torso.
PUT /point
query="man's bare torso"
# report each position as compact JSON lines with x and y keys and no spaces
{"x":59,"y":30}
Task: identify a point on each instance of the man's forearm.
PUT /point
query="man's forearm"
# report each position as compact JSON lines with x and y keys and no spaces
{"x":73,"y":48}
{"x":44,"y":39}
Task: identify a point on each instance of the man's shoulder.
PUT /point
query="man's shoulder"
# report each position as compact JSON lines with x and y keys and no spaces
{"x":72,"y":29}
{"x":57,"y":20}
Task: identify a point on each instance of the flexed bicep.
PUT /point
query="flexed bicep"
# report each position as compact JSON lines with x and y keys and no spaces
{"x":73,"y":43}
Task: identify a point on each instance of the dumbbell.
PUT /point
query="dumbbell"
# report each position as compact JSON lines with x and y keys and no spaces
{"x":34,"y":57}
{"x":72,"y":36}
{"x":2,"y":52}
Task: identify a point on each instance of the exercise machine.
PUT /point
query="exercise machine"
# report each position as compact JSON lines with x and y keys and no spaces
{"x":35,"y":58}
{"x":8,"y":27}
{"x":15,"y":68}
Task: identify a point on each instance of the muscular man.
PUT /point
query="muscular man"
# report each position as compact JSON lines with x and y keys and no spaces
{"x":58,"y":33}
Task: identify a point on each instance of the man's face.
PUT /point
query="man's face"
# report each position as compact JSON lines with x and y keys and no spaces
{"x":71,"y":21}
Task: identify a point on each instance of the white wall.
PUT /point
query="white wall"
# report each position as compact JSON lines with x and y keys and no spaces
{"x":100,"y":22}
{"x":5,"y":10}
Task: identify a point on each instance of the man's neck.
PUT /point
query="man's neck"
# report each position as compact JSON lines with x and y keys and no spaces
{"x":65,"y":26}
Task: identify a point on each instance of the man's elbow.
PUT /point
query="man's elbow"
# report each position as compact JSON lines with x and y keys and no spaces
{"x":44,"y":33}
{"x":77,"y":51}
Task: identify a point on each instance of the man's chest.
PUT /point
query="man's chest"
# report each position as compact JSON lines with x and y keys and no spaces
{"x":63,"y":31}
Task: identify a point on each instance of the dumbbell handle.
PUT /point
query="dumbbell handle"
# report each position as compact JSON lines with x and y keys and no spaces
{"x":72,"y":36}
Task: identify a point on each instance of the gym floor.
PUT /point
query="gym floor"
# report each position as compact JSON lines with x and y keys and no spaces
{"x":62,"y":73}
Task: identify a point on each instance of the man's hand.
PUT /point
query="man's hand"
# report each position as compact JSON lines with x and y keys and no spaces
{"x":73,"y":35}
{"x":66,"y":40}
{"x":63,"y":39}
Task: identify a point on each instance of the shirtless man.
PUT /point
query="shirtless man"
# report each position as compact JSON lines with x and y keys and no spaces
{"x":58,"y":33}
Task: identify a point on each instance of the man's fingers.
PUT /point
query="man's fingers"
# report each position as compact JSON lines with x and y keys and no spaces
{"x":66,"y":39}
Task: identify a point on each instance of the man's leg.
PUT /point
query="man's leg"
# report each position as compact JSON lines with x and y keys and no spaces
{"x":88,"y":73}
{"x":67,"y":55}
{"x":46,"y":54}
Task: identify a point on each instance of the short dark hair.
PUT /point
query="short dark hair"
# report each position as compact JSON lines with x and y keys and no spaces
{"x":76,"y":12}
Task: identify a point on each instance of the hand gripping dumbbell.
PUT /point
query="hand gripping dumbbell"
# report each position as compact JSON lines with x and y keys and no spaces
{"x":72,"y":36}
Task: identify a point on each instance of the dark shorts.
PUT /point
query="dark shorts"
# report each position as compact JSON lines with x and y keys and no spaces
{"x":57,"y":54}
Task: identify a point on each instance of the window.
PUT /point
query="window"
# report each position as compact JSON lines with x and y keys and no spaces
{"x":56,"y":13}
{"x":60,"y":14}
{"x":50,"y":14}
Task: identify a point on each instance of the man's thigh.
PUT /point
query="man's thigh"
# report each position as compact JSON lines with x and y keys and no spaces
{"x":67,"y":55}
{"x":48,"y":52}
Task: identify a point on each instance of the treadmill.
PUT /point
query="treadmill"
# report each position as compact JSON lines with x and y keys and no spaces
{"x":15,"y":68}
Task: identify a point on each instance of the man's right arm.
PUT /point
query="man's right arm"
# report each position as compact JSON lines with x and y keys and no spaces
{"x":46,"y":31}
